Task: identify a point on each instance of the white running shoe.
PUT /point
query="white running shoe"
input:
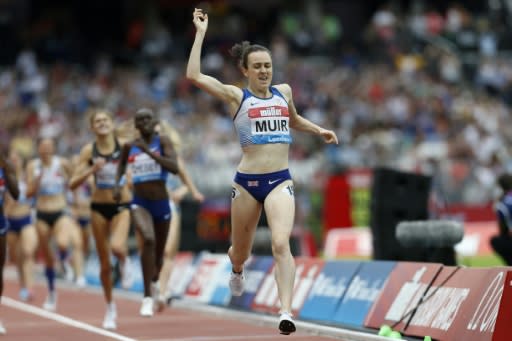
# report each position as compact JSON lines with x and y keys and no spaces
{"x":146,"y":309}
{"x":50,"y":303}
{"x":236,"y":284}
{"x":109,"y":322}
{"x":286,"y":324}
{"x":3,"y":331}
{"x":127,"y":274}
{"x":160,"y":303}
{"x":69,"y":273}
{"x":81,"y":282}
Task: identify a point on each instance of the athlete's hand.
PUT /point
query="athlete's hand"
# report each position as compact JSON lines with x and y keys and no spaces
{"x":98,"y":164}
{"x":141,"y":144}
{"x":198,"y":196}
{"x":116,"y":194}
{"x":200,"y":20}
{"x":329,"y":136}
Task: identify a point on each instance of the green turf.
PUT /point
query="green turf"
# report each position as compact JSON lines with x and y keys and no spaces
{"x":481,"y":261}
{"x":475,"y":261}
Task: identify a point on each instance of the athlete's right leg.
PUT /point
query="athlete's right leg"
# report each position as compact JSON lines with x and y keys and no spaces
{"x":67,"y":233}
{"x":170,"y":251}
{"x":14,"y":250}
{"x":144,"y":225}
{"x":44,"y":234}
{"x":120,"y":228}
{"x":245,"y":214}
{"x":101,"y":235}
{"x":28,"y":246}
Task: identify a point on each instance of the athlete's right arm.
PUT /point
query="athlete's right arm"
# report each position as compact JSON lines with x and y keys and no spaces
{"x":227,"y":93}
{"x":121,"y":170}
{"x":83,"y":170}
{"x":33,"y":180}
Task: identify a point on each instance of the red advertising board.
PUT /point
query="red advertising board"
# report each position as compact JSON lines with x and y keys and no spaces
{"x":266,"y":299}
{"x":456,"y":303}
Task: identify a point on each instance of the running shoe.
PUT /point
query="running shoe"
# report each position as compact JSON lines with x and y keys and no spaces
{"x":3,"y":331}
{"x":69,"y":273}
{"x":146,"y":309}
{"x":127,"y":274}
{"x":286,"y":324}
{"x":109,"y":322}
{"x":50,"y":303}
{"x":25,"y":295}
{"x":236,"y":284}
{"x":81,"y":282}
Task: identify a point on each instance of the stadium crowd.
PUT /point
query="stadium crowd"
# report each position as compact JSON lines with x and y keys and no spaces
{"x":424,"y":89}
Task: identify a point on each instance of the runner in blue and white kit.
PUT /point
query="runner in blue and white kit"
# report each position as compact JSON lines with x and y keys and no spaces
{"x":8,"y":183}
{"x":22,"y":235}
{"x":178,"y":187}
{"x":151,"y":157}
{"x":263,"y":115}
{"x":47,"y":180}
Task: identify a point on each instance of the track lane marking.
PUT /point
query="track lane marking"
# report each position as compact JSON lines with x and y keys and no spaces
{"x":9,"y":302}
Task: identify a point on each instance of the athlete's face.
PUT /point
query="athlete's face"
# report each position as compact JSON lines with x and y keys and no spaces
{"x":102,"y":124}
{"x":145,"y":122}
{"x":259,"y":69}
{"x":46,"y":149}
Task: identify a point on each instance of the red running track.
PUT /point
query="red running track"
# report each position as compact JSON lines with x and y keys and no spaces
{"x":80,"y":313}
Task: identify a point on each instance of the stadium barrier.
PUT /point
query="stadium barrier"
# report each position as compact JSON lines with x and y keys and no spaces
{"x":445,"y":302}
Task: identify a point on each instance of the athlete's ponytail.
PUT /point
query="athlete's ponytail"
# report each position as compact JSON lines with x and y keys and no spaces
{"x":241,"y":51}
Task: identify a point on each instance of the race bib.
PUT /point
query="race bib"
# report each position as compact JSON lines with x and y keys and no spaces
{"x":145,"y":168}
{"x":106,"y":176}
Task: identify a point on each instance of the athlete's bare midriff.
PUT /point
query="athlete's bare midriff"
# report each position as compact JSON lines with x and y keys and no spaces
{"x":151,"y":190}
{"x":51,"y":203}
{"x":265,"y":158}
{"x":106,"y":196}
{"x":19,"y":211}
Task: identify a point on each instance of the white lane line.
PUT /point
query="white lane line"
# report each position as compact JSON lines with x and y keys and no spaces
{"x":9,"y":302}
{"x":227,"y":338}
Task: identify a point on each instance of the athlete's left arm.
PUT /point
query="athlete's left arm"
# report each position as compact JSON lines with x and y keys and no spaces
{"x":168,"y":159}
{"x":11,"y":180}
{"x":300,"y":123}
{"x":67,"y":167}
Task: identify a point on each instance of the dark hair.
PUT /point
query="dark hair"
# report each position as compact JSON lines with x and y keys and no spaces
{"x":505,"y":182}
{"x":242,"y":50}
{"x":145,"y":111}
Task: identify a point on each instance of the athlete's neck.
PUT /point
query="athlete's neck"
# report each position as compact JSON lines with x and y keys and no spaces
{"x":46,"y":160}
{"x":260,"y":92}
{"x":105,"y":142}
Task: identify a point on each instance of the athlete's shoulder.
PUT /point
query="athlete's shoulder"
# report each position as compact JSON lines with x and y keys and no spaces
{"x":285,"y":89}
{"x":87,"y":149}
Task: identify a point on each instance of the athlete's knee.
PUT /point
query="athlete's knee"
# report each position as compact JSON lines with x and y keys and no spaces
{"x":118,"y":248}
{"x":238,"y":256}
{"x":280,"y":245}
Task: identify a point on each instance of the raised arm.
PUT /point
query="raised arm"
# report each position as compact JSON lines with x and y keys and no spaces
{"x":227,"y":93}
{"x":300,"y":123}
